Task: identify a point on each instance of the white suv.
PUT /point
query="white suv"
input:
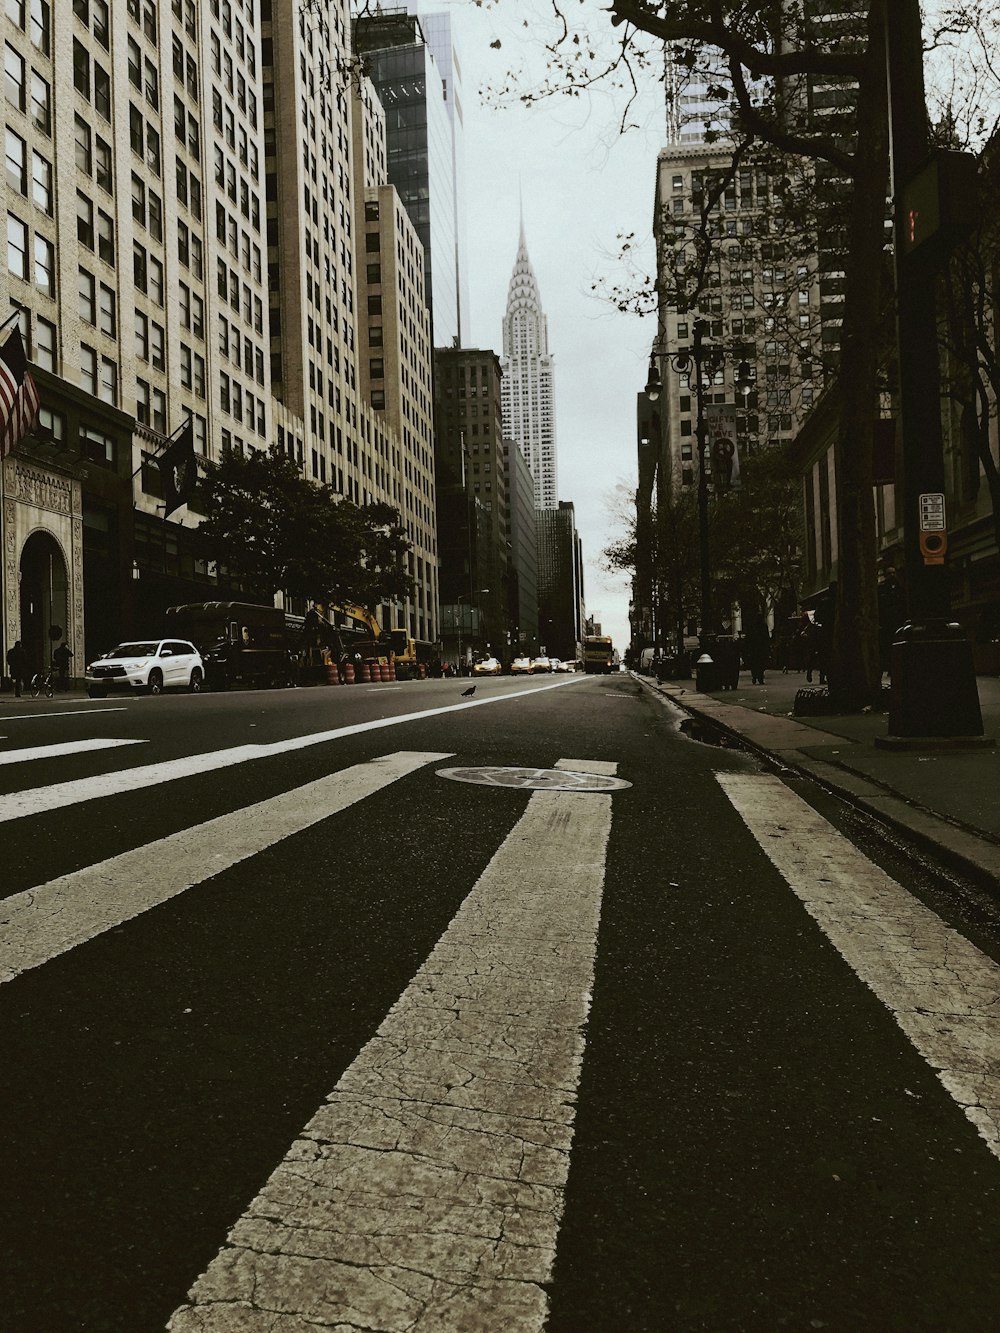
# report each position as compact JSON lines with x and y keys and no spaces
{"x":147,"y":665}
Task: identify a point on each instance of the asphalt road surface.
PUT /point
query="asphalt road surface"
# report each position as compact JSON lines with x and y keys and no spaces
{"x":380,"y":1008}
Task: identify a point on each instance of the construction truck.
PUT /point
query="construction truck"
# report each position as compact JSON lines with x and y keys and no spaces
{"x":240,"y":643}
{"x":599,"y":654}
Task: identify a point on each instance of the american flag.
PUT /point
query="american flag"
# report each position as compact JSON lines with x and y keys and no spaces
{"x":18,"y":394}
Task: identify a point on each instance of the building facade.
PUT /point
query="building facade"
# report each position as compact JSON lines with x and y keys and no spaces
{"x":529,"y":414}
{"x":423,"y":138}
{"x":470,"y":459}
{"x":561,"y":610}
{"x":523,"y":538}
{"x":185,"y":221}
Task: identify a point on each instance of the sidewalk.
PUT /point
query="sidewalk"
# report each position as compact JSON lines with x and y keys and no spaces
{"x":948,"y":800}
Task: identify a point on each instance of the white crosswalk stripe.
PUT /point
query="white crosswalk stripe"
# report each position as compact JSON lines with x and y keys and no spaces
{"x":943,"y":992}
{"x":427,"y":1192}
{"x":61,"y":749}
{"x":46,"y":921}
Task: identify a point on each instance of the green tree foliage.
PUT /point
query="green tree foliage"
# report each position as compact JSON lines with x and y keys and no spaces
{"x":274,"y":531}
{"x":757,"y":533}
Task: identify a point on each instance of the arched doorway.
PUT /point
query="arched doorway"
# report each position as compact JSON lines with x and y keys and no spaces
{"x":44,"y":597}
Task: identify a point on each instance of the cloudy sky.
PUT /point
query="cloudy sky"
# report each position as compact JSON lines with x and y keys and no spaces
{"x":582,"y":185}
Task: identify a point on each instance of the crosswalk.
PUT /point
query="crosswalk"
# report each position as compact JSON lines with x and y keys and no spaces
{"x":428,"y":1188}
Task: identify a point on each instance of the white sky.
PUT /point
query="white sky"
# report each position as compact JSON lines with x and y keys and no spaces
{"x":582,"y":184}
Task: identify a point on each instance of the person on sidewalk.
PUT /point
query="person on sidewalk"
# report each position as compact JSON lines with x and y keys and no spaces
{"x":823,"y":615}
{"x":61,"y":659}
{"x":17,"y":666}
{"x":756,"y":646}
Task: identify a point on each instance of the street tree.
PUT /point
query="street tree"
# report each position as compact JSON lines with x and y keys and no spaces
{"x":273,"y":531}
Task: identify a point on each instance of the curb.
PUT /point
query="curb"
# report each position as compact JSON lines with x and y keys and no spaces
{"x":961,"y":849}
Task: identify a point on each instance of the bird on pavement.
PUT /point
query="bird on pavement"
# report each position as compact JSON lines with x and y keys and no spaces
{"x":470,"y":690}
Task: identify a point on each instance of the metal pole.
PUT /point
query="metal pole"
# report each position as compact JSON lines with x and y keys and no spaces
{"x":934,"y":690}
{"x":704,"y":565}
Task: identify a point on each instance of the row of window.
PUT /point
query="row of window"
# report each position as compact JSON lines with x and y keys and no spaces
{"x":242,"y":405}
{"x":18,"y":87}
{"x":17,"y":172}
{"x":43,"y":270}
{"x":32,"y":18}
{"x":229,"y":288}
{"x":241,"y":350}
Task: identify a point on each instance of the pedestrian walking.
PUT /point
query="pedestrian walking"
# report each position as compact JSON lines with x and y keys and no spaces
{"x":756,"y":647}
{"x":17,"y":666}
{"x":61,"y":659}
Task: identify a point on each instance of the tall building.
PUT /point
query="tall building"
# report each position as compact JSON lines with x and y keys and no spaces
{"x":423,"y":137}
{"x":529,"y":414}
{"x":475,"y":570}
{"x":523,"y":538}
{"x":185,"y":224}
{"x":560,"y":582}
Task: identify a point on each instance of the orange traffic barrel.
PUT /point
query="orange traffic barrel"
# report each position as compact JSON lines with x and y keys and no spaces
{"x":332,"y":674}
{"x":348,"y":673}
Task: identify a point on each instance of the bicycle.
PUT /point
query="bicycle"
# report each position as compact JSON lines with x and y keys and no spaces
{"x":42,"y":681}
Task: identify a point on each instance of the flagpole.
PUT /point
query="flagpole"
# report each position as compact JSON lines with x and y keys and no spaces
{"x":21,"y":309}
{"x":160,"y":448}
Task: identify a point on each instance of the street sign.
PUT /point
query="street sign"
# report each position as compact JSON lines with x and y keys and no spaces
{"x":932,"y":512}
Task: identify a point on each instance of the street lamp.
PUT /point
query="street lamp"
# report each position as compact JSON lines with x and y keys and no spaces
{"x":701,"y":358}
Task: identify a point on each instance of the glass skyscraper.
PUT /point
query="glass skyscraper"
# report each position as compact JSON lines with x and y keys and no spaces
{"x":421,"y":129}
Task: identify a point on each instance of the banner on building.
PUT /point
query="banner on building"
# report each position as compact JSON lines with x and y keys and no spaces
{"x":723,"y":450}
{"x":178,"y":469}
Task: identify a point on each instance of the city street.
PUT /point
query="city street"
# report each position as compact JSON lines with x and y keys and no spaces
{"x":300,"y":1031}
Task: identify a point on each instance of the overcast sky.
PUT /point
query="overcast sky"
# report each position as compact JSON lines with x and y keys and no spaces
{"x":582,"y":184}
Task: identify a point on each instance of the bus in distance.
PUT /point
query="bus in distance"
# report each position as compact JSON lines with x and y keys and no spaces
{"x":599,"y":654}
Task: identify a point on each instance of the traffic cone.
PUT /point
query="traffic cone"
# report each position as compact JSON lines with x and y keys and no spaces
{"x":366,"y":674}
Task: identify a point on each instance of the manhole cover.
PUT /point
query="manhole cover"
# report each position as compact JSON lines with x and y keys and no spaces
{"x":535,"y":779}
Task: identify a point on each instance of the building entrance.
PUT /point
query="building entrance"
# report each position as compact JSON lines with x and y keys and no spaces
{"x":44,"y":598}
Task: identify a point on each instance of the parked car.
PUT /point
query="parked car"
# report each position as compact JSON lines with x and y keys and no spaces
{"x":487,"y":666}
{"x":147,"y":666}
{"x":571,"y":665}
{"x":540,"y":664}
{"x":521,"y":666}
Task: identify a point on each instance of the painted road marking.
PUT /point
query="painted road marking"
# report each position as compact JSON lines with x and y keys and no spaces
{"x":60,"y":794}
{"x":75,"y":712}
{"x":44,"y":922}
{"x":427,"y":1191}
{"x":943,"y":992}
{"x":63,"y":748}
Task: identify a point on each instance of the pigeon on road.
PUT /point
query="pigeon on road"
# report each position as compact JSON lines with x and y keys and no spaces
{"x":470,"y":690}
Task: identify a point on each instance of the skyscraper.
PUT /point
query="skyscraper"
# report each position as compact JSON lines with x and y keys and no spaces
{"x":528,"y":398}
{"x":422,"y":129}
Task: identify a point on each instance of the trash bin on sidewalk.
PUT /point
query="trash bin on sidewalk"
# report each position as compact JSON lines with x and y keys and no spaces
{"x":706,"y":674}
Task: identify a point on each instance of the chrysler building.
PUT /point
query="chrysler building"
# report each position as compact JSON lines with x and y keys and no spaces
{"x":526,"y":390}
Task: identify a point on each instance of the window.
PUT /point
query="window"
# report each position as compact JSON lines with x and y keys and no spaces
{"x":16,"y":162}
{"x":45,"y":344}
{"x":88,"y":369}
{"x":13,"y":80}
{"x":109,"y":380}
{"x":106,"y":238}
{"x":41,"y":104}
{"x":159,"y":410}
{"x":139,"y":267}
{"x":17,"y":247}
{"x":153,"y":149}
{"x":81,"y":69}
{"x":107,"y":321}
{"x":141,"y":336}
{"x":101,"y":22}
{"x":151,"y":84}
{"x":134,"y":63}
{"x":87,"y":305}
{"x":157,"y":355}
{"x":102,"y":91}
{"x":102,"y":163}
{"x":15,"y":11}
{"x":84,"y":221}
{"x":138,"y":200}
{"x":142,"y":402}
{"x":155,"y":215}
{"x":155,"y":288}
{"x":136,"y":130}
{"x":39,"y":27}
{"x":84,"y":157}
{"x":45,"y":266}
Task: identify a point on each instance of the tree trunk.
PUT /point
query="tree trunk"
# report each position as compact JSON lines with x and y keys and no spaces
{"x":854,"y":671}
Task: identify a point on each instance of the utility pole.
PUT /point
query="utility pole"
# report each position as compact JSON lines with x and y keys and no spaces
{"x":934,"y":692}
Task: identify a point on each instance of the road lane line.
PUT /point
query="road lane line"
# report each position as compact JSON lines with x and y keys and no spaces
{"x":61,"y":748}
{"x":942,"y":991}
{"x":56,"y":796}
{"x":41,"y":923}
{"x":74,"y":712}
{"x":427,"y":1191}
